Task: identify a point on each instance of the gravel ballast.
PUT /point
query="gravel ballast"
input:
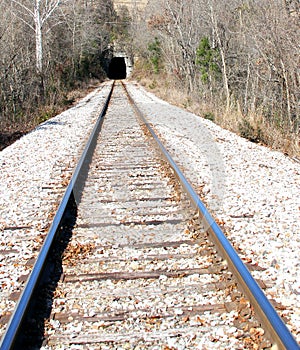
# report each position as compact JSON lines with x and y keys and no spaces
{"x":252,"y":191}
{"x":35,"y":171}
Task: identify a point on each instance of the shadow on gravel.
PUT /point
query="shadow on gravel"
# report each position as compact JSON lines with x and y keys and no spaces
{"x":33,"y":329}
{"x":8,"y":138}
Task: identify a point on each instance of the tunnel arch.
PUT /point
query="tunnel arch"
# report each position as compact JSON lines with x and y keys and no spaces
{"x":117,"y":68}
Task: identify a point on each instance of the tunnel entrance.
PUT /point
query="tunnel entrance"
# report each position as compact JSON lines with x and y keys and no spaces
{"x":117,"y":68}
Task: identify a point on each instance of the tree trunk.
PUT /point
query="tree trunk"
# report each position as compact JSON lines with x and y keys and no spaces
{"x":222,"y":53}
{"x":39,"y":50}
{"x":287,"y":93}
{"x":38,"y":38}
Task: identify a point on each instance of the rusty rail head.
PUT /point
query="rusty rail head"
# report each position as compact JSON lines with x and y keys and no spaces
{"x":276,"y":328}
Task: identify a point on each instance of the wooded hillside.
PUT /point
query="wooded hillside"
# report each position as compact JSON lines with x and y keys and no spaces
{"x":47,"y":48}
{"x":237,"y":61}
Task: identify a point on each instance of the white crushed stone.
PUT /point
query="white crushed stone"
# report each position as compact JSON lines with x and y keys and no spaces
{"x":35,"y":170}
{"x":253,"y":190}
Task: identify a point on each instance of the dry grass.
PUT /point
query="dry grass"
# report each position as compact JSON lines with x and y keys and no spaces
{"x":253,"y":126}
{"x":12,"y":130}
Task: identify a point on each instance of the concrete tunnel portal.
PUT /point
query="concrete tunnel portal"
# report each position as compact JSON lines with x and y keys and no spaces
{"x":117,"y":69}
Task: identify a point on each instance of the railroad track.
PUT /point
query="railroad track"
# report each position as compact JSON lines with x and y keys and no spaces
{"x":134,"y":266}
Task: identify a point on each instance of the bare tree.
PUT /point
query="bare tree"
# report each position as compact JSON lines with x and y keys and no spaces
{"x":35,"y":15}
{"x":47,"y":48}
{"x":273,"y":34}
{"x":177,"y":24}
{"x":220,"y":38}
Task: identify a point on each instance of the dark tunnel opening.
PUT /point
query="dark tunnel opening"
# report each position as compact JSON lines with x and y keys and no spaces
{"x":117,"y":68}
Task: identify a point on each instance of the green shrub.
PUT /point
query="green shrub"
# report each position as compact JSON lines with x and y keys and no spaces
{"x":207,"y":59}
{"x":209,"y":115}
{"x":155,"y":54}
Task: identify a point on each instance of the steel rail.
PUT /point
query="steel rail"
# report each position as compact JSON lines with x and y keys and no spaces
{"x":278,"y":331}
{"x":19,"y":314}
